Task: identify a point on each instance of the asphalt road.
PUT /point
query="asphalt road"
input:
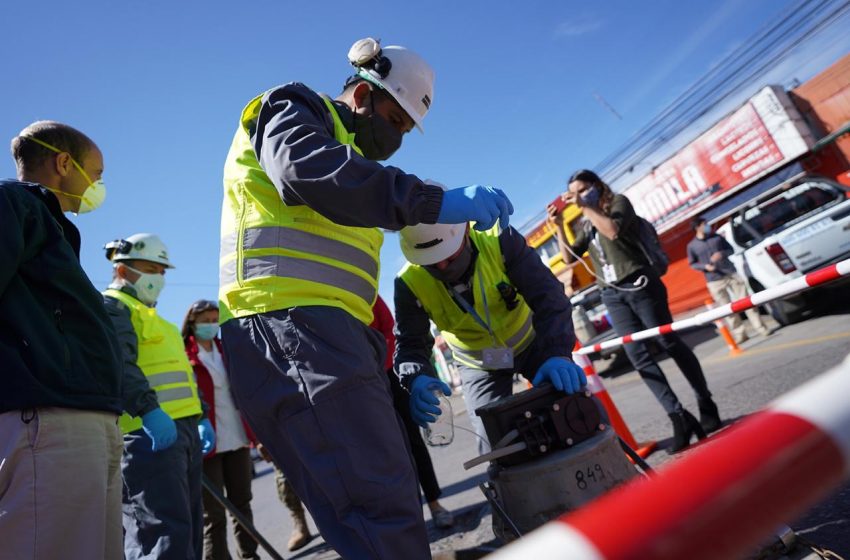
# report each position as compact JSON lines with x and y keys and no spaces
{"x":769,"y":367}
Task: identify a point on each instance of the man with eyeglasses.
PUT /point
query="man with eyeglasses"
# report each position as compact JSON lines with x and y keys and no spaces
{"x":60,"y":361}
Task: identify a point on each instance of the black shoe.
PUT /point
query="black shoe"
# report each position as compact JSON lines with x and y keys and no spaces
{"x":709,"y":417}
{"x":684,"y":426}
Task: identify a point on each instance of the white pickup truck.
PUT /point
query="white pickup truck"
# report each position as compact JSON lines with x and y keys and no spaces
{"x":780,"y":236}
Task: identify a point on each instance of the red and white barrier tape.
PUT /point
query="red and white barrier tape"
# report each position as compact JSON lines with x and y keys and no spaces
{"x":810,"y":280}
{"x":723,"y":498}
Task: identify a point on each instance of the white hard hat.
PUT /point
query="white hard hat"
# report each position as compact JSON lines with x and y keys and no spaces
{"x":401,"y":72}
{"x":139,"y":246}
{"x":425,"y":244}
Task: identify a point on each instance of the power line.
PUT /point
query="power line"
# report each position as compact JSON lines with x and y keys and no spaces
{"x":692,"y":105}
{"x":684,"y":97}
{"x":771,"y":44}
{"x":687,"y":120}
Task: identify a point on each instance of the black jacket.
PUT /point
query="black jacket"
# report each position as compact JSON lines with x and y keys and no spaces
{"x":57,"y":345}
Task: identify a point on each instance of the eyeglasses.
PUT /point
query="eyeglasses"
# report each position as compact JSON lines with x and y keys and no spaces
{"x":203,"y":305}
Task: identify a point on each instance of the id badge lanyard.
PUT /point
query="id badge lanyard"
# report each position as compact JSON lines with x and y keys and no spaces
{"x":471,"y":310}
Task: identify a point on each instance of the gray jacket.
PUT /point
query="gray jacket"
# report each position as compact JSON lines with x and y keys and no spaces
{"x":699,"y":255}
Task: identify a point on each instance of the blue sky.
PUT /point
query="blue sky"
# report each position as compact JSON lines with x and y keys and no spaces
{"x":159,"y":86}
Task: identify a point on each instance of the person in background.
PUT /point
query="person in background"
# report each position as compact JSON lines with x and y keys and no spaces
{"x":385,"y":324}
{"x":166,"y":431}
{"x":709,"y":254}
{"x":60,"y":363}
{"x":636,"y":299}
{"x":228,"y":466}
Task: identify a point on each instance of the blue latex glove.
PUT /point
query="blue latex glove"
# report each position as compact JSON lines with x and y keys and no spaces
{"x":207,"y":434}
{"x":424,"y":405}
{"x":160,"y":428}
{"x":483,"y":205}
{"x":562,"y":373}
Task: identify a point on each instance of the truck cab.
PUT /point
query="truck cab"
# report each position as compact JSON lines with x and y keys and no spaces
{"x":787,"y":233}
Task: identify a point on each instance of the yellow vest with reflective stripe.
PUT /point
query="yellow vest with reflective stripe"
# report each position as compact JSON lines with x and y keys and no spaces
{"x":162,"y":358}
{"x":275,"y":256}
{"x":464,"y":335}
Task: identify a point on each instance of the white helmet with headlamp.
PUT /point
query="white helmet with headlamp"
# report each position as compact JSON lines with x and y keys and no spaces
{"x":399,"y":71}
{"x":141,"y":247}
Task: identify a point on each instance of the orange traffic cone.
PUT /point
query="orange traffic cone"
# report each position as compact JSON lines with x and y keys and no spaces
{"x":734,"y":350}
{"x":594,"y":383}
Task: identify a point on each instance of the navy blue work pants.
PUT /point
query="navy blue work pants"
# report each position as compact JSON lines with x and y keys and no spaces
{"x":162,"y":503}
{"x":310,"y":382}
{"x":633,"y":311}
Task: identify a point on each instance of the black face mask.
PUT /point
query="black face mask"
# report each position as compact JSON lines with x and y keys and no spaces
{"x":376,"y":137}
{"x":456,"y":269}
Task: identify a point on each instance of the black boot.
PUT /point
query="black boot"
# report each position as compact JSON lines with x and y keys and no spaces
{"x":709,"y":417}
{"x":684,"y":426}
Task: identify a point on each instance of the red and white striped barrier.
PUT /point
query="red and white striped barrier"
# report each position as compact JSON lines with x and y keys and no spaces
{"x":810,"y":280}
{"x":722,"y":499}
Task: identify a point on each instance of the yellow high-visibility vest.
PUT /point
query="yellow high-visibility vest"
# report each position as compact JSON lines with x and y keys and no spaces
{"x":275,"y":256}
{"x":162,"y":358}
{"x":464,"y":335}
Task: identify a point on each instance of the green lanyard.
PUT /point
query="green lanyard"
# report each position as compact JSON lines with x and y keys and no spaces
{"x":471,"y":310}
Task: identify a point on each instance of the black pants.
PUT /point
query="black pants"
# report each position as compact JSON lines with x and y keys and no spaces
{"x":421,"y":457}
{"x":230,"y":473}
{"x":647,"y":308}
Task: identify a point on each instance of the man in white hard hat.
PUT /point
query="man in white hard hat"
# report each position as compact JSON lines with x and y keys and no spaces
{"x":499,"y":308}
{"x":60,"y":382}
{"x":304,"y":200}
{"x":165,"y":428}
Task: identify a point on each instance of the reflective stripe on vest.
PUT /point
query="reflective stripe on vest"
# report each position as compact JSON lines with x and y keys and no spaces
{"x":466,"y":338}
{"x":162,"y":358}
{"x":300,"y":268}
{"x":275,"y":256}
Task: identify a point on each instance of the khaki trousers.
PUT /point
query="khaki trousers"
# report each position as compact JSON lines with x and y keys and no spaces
{"x":731,"y":288}
{"x":60,"y":485}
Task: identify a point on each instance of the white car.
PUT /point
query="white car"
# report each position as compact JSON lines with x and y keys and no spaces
{"x":785,"y":235}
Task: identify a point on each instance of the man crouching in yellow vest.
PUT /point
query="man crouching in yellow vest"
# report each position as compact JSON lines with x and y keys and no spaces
{"x":498,"y":307}
{"x":304,"y":198}
{"x":165,"y":431}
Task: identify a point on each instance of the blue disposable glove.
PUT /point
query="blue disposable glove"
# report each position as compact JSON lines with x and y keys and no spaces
{"x":483,"y":205}
{"x":160,"y":428}
{"x":207,"y":434}
{"x":424,"y":405}
{"x":562,"y":373}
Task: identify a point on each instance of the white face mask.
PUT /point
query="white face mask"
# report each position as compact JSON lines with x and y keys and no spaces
{"x":95,"y":193}
{"x":148,"y":286}
{"x":92,"y":197}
